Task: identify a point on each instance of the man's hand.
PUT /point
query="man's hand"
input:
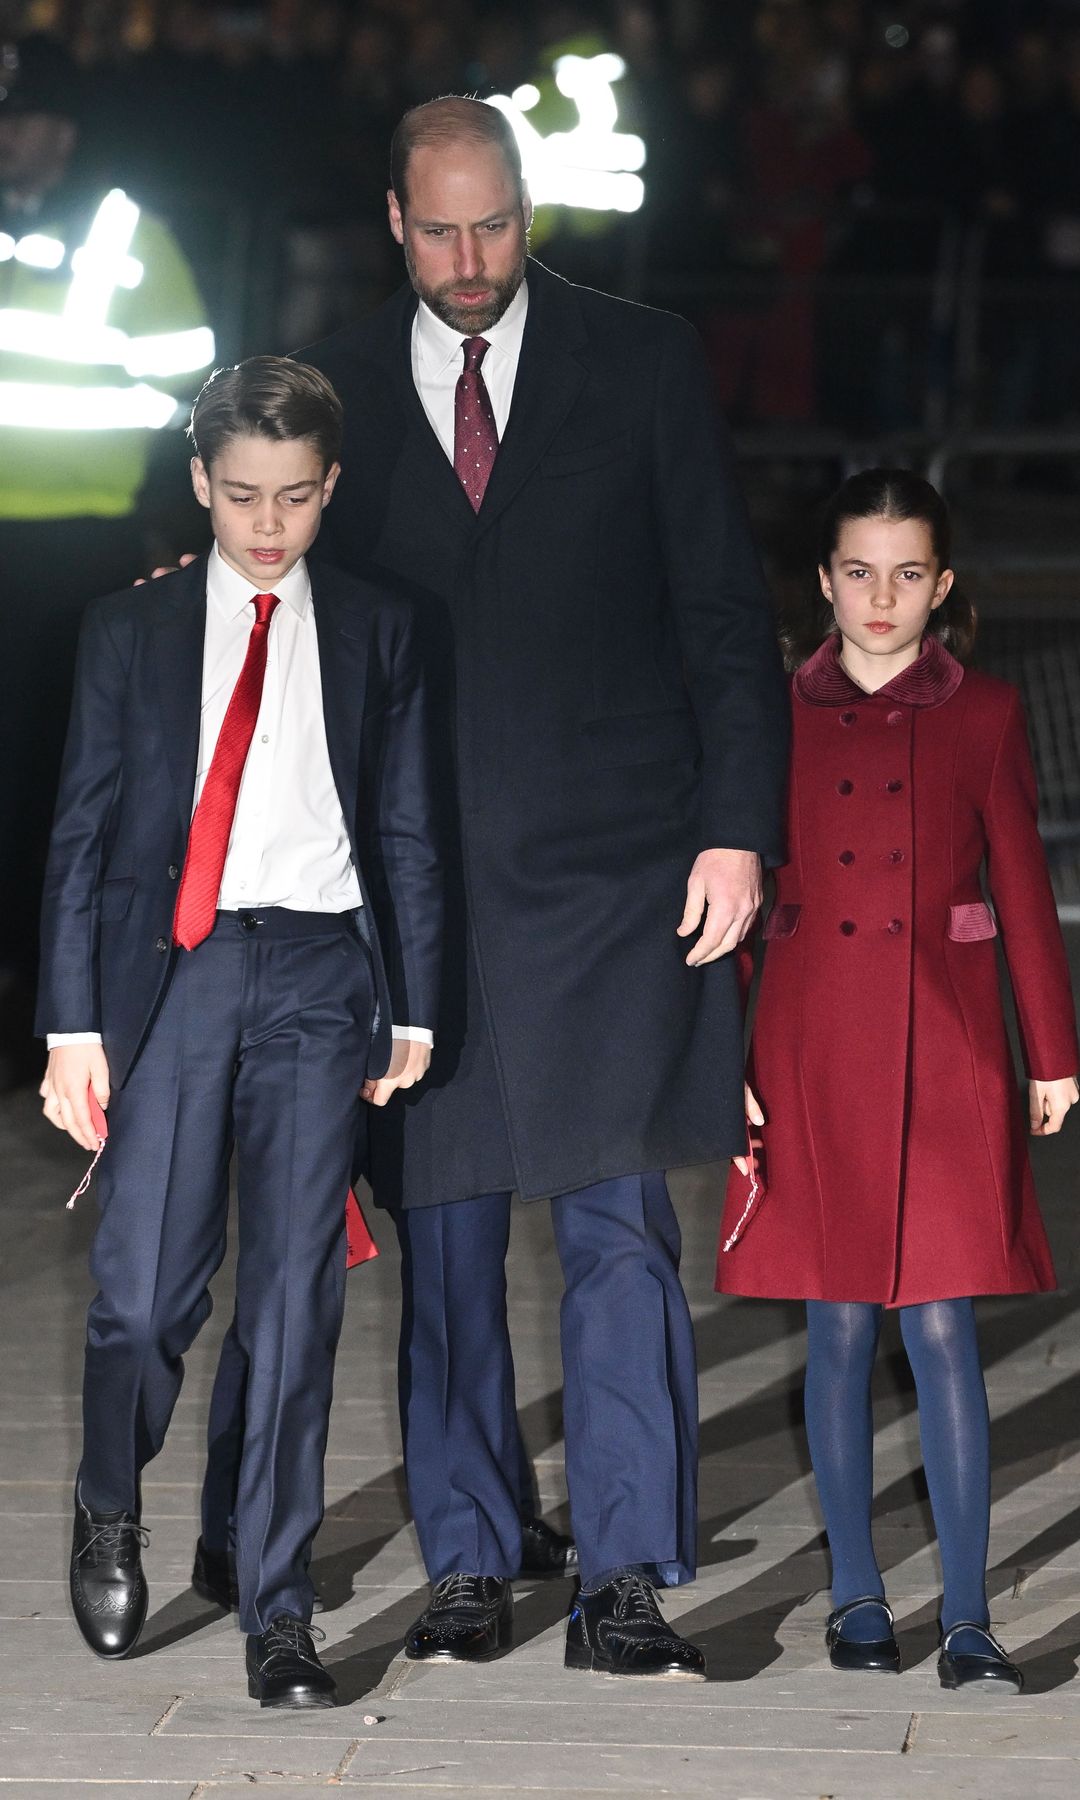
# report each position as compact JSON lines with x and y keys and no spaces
{"x":1048,"y":1103}
{"x":165,"y":569}
{"x":408,"y":1065}
{"x":725,"y":889}
{"x":71,"y":1070}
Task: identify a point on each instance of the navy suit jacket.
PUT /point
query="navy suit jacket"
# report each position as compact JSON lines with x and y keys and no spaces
{"x":127,"y":787}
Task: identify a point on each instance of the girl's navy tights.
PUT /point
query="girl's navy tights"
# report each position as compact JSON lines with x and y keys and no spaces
{"x":942,"y":1348}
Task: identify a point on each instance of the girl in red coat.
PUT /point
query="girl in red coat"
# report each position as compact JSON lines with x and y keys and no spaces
{"x":893,"y":1168}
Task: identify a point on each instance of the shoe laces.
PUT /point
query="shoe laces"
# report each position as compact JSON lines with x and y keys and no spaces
{"x":289,"y":1633}
{"x":112,"y":1539}
{"x":455,"y":1590}
{"x":635,"y":1599}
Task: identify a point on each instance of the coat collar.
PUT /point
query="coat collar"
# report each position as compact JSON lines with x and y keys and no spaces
{"x":929,"y":681}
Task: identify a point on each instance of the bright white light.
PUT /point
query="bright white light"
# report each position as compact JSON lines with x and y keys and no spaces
{"x":127,"y":271}
{"x":49,"y":406}
{"x":39,"y":252}
{"x":24,"y":333}
{"x":7,"y":247}
{"x":107,"y":244}
{"x":593,"y":165}
{"x":526,"y":96}
{"x":170,"y":353}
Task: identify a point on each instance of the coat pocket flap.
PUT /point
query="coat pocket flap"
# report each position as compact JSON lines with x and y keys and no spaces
{"x":782,"y":922}
{"x":116,"y":897}
{"x":970,"y":923}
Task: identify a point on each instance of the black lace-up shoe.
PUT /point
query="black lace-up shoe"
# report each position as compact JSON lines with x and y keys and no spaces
{"x":546,"y":1552}
{"x":469,"y":1618}
{"x":283,"y":1668}
{"x":620,"y":1630}
{"x":108,"y":1588}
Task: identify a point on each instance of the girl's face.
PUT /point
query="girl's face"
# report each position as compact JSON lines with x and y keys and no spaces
{"x":883,"y":583}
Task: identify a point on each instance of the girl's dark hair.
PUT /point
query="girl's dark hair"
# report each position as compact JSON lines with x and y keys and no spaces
{"x":882,"y":494}
{"x":271,"y":397}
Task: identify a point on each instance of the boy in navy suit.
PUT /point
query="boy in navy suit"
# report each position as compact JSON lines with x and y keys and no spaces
{"x":241,"y":936}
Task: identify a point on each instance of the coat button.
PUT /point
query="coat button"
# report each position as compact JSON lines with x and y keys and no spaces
{"x":895,"y":718}
{"x":174,"y":871}
{"x":162,"y":944}
{"x":847,"y":857}
{"x":896,"y":856}
{"x":848,"y":927}
{"x":893,"y":787}
{"x":845,"y":787}
{"x":896,"y":925}
{"x":847,"y":718}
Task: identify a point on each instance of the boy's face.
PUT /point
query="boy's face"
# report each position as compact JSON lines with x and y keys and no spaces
{"x":265,"y":501}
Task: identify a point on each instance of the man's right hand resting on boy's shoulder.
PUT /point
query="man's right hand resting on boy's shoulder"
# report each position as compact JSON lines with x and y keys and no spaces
{"x":71,"y":1071}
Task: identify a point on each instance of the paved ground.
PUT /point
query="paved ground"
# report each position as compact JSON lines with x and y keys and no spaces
{"x":174,"y":1722}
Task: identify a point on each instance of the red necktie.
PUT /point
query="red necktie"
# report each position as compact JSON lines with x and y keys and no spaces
{"x":211,"y":828}
{"x":476,"y":440}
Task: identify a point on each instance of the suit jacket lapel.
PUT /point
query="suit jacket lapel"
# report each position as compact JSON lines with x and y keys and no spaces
{"x":549,"y":378}
{"x":343,"y":669}
{"x":178,"y":635}
{"x":425,"y":463}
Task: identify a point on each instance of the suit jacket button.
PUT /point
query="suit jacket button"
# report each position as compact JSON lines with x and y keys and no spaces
{"x":174,"y":871}
{"x":162,"y":944}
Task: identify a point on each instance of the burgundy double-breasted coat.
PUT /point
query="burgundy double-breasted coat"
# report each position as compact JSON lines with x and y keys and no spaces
{"x":895,"y":1161}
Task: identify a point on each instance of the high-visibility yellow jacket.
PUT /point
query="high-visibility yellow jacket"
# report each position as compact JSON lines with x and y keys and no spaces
{"x":100,"y":320}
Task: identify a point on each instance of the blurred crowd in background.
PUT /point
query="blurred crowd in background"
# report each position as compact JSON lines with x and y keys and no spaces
{"x":871,"y":210}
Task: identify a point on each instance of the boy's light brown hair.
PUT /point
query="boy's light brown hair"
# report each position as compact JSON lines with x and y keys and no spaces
{"x":271,"y":397}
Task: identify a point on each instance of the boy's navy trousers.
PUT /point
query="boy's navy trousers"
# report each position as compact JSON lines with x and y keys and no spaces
{"x":262,"y":1043}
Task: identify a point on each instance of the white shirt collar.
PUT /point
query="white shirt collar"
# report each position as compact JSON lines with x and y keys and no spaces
{"x":439,"y":345}
{"x":228,"y":593}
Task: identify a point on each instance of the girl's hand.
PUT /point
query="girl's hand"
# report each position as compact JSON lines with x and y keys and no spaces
{"x":756,"y":1117}
{"x":1048,"y":1102}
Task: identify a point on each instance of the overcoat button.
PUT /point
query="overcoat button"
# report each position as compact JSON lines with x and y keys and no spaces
{"x":893,"y":787}
{"x":847,"y":718}
{"x":162,"y":944}
{"x":848,"y":927}
{"x":896,"y":925}
{"x":846,"y":857}
{"x":896,"y":856}
{"x":845,"y":787}
{"x":174,"y":871}
{"x":895,"y":718}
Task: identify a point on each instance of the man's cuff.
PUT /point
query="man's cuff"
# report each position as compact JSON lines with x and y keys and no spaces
{"x":414,"y":1034}
{"x":55,"y":1038}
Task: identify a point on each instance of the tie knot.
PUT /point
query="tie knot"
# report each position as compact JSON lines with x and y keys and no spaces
{"x":264,"y":607}
{"x":475,"y":351}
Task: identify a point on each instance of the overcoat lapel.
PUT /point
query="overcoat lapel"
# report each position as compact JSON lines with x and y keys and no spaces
{"x":343,"y":669}
{"x":425,"y":466}
{"x":178,"y":636}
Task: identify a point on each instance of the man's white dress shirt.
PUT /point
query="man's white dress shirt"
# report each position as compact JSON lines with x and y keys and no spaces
{"x":289,"y":846}
{"x":438,"y":360}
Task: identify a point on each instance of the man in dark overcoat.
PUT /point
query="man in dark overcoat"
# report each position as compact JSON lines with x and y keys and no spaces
{"x":540,"y":466}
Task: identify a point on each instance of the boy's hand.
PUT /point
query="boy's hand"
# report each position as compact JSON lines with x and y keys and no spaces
{"x":165,"y":569}
{"x":408,"y":1065}
{"x":1048,"y":1103}
{"x":756,"y":1117}
{"x":71,"y":1070}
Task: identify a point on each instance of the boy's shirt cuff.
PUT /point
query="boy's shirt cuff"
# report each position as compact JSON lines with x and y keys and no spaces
{"x":414,"y":1034}
{"x":54,"y":1038}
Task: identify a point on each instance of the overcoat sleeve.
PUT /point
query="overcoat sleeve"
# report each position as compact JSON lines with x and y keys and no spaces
{"x":409,"y":843}
{"x":723,"y":615}
{"x":69,"y":996}
{"x":1027,"y":915}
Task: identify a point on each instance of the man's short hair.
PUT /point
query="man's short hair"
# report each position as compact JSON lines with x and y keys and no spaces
{"x":453,"y":119}
{"x":271,"y":397}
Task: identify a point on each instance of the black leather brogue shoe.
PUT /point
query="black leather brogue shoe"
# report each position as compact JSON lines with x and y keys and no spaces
{"x":987,"y":1667}
{"x":874,"y":1656}
{"x":620,"y":1630}
{"x":283,"y":1668}
{"x":108,"y":1588}
{"x":214,"y":1577}
{"x":546,"y":1552}
{"x":468,"y":1619}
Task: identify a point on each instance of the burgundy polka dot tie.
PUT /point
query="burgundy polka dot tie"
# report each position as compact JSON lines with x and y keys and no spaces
{"x":476,"y":441}
{"x":211,"y":827}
